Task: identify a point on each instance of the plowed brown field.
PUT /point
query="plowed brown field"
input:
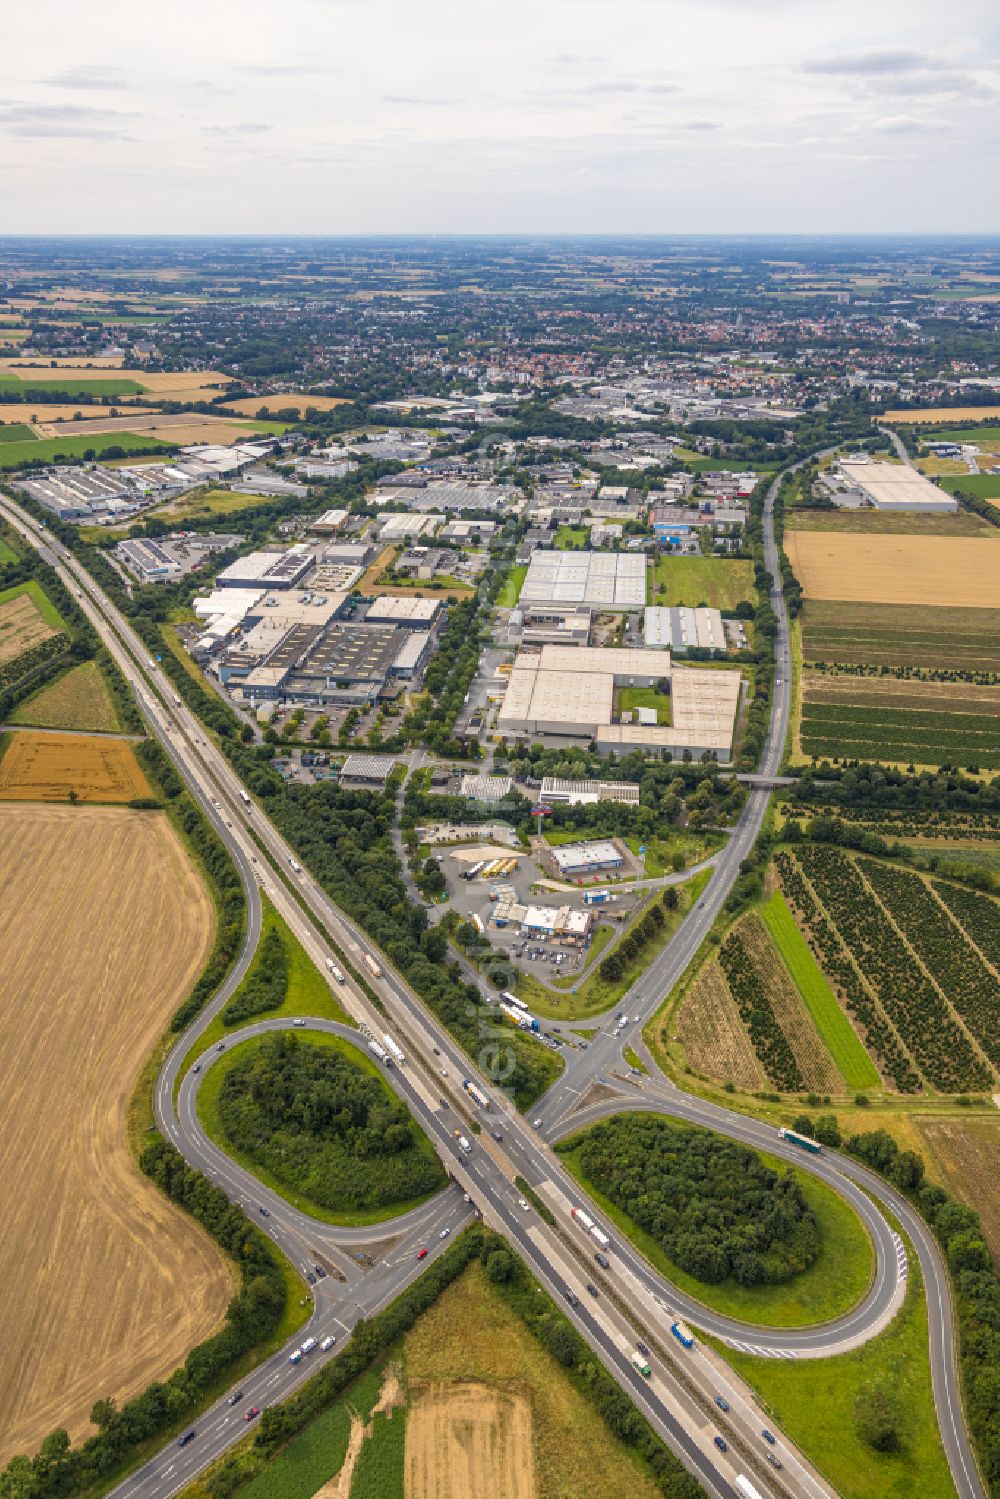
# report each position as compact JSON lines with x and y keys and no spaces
{"x":103,"y":1284}
{"x":46,"y":767}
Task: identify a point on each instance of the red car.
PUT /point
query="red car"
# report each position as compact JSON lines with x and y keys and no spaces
{"x":252,"y":1413}
{"x":421,"y":1254}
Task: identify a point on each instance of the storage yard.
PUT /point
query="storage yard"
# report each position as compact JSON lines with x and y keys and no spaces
{"x":103,"y":1284}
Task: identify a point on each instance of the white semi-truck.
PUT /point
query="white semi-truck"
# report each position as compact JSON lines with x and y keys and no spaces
{"x":337,"y":972}
{"x":378,"y":1051}
{"x":475,"y":1093}
{"x":395,"y":1048}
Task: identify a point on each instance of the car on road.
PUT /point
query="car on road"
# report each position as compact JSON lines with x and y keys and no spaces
{"x":444,"y":1072}
{"x":768,"y":1436}
{"x":444,"y":1233}
{"x":496,"y":1135}
{"x":298,"y":1022}
{"x":421,"y":1254}
{"x":722,"y":1402}
{"x":522,"y":1202}
{"x":537,"y":1123}
{"x":296,"y":1357}
{"x":320,"y":1272}
{"x":265,"y":1212}
{"x":573,"y":1300}
{"x":592,"y":1289}
{"x":221,"y":1046}
{"x":444,"y":1103}
{"x":774,"y":1461}
{"x":603,"y":1261}
{"x":643,"y":1349}
{"x":196,"y":1067}
{"x":327,"y":1343}
{"x":188,"y":1436}
{"x":722,"y":1444}
{"x":311,"y":1277}
{"x":252,"y":1413}
{"x":235,"y":1397}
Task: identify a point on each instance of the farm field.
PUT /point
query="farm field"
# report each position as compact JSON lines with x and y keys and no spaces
{"x":286,"y":401}
{"x":709,"y":1028}
{"x":70,"y":382}
{"x":39,"y":413}
{"x":16,"y":432}
{"x":955,"y":639}
{"x":965,"y":1153}
{"x":78,"y":700}
{"x":719,"y":582}
{"x":887,"y":522}
{"x":892,"y":719}
{"x":77,"y":1021}
{"x":110,"y":379}
{"x":183,"y":427}
{"x":813,"y":1400}
{"x":928,"y":415}
{"x":949,"y":571}
{"x":47,"y":449}
{"x":46,"y":767}
{"x":985,"y":486}
{"x":24,"y":623}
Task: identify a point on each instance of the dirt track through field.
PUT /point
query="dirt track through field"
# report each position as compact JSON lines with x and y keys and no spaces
{"x":103,"y":1284}
{"x":468,"y":1441}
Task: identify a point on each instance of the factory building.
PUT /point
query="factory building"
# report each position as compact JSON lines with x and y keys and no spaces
{"x":559,"y":792}
{"x":681,"y":629}
{"x":591,"y":857}
{"x":896,"y":486}
{"x":613,"y":581}
{"x":267,"y":569}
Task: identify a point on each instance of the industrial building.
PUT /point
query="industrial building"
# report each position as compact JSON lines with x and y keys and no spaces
{"x":410,"y":613}
{"x":559,"y":792}
{"x":366,"y":771}
{"x":486,"y":790}
{"x":268,"y":569}
{"x":342,"y":665}
{"x":896,"y":486}
{"x":682,"y":629}
{"x":147,"y":560}
{"x":570,"y":692}
{"x":564,"y":922}
{"x":591,"y":857}
{"x":405,"y":527}
{"x":596,"y":580}
{"x":329,"y":522}
{"x":548,"y":624}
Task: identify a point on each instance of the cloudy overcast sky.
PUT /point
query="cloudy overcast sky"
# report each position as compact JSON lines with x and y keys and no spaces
{"x":588,"y":116}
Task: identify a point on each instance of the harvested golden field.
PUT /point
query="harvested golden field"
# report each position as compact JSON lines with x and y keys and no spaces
{"x":469,"y":1441}
{"x":470,"y":1335}
{"x":944,"y":414}
{"x":183,"y":385}
{"x":926,"y":570}
{"x":21,"y":626}
{"x":40,"y":414}
{"x":710,"y":1030}
{"x":185,"y":427}
{"x":78,"y":700}
{"x":103,"y":1284}
{"x":46,"y":767}
{"x":965,"y":1152}
{"x":298,"y":402}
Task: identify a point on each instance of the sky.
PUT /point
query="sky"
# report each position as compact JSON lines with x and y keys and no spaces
{"x":528,"y":116}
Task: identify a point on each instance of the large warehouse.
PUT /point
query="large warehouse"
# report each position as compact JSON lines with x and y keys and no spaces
{"x":897,"y":486}
{"x":595,"y":580}
{"x":570,"y":692}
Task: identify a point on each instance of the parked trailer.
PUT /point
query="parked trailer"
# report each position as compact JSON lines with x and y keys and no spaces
{"x":802,"y":1141}
{"x":584,"y":1219}
{"x":470,"y":874}
{"x":475,"y":1093}
{"x":371,"y":965}
{"x":595,"y":897}
{"x":746,"y":1488}
{"x":394,"y":1048}
{"x":478,"y":924}
{"x":683,"y":1334}
{"x":378,"y":1051}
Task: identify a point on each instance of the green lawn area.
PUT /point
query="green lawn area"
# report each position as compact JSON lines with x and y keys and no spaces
{"x":719,"y":582}
{"x":79,"y":700}
{"x":630,"y":698}
{"x":313,"y":1456}
{"x":690,"y":848}
{"x":7,"y":552}
{"x":813,"y":1401}
{"x":198,"y":503}
{"x":46,"y":449}
{"x":208,"y":1113}
{"x":985,"y":486}
{"x":50,"y":383}
{"x":308,"y":992}
{"x":16,"y":432}
{"x":572,"y":538}
{"x":836,"y":1280}
{"x":595,"y":995}
{"x":513,"y":583}
{"x":836,"y":1032}
{"x":45,"y":606}
{"x":975,"y":435}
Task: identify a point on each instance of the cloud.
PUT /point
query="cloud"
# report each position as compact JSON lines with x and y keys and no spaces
{"x":89,"y":76}
{"x":244,"y":127}
{"x":419,"y":100}
{"x":72,"y":120}
{"x":702,"y":125}
{"x":868,"y":63}
{"x":283,"y":69}
{"x":896,"y":124}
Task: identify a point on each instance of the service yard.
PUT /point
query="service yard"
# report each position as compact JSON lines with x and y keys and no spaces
{"x":47,"y":767}
{"x":104,"y":1285}
{"x":887,"y":569}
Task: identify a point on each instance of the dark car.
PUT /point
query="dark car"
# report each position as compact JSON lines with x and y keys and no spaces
{"x":236,"y":1397}
{"x":722,"y":1444}
{"x":265,"y":1212}
{"x":768,"y":1436}
{"x":722,"y":1402}
{"x":592,"y":1289}
{"x":496,"y":1134}
{"x":774,"y":1461}
{"x":311,"y":1277}
{"x":573,"y":1300}
{"x":320,"y":1272}
{"x":444,"y":1103}
{"x":221,"y":1046}
{"x":602,"y":1260}
{"x":188,"y":1436}
{"x":643,"y":1349}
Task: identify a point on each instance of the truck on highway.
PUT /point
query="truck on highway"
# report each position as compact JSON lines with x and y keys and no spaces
{"x":475,"y":1093}
{"x":395,"y":1048}
{"x":746,"y":1488}
{"x":599,"y":1235}
{"x":378,"y":1051}
{"x":584,"y":1219}
{"x":177,"y":702}
{"x":463,"y":1144}
{"x":638,"y":1362}
{"x":337,"y":972}
{"x":371,"y":965}
{"x":245,"y":798}
{"x":683,"y":1334}
{"x":802,"y":1141}
{"x":296,"y":866}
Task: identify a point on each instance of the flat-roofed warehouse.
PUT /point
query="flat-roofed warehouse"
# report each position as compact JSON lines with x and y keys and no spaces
{"x":570,"y":692}
{"x":597,"y":580}
{"x":682,"y":628}
{"x":267,"y":569}
{"x":587,"y":858}
{"x":897,"y":486}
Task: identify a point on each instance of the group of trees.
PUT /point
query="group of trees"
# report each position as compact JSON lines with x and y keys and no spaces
{"x":265,"y":986}
{"x":324,"y":1126}
{"x":713,"y":1206}
{"x":645,"y":931}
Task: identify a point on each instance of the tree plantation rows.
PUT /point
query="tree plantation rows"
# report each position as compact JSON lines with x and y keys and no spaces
{"x":977,"y":915}
{"x":749,"y":988}
{"x":715,"y":1208}
{"x":323,"y":1126}
{"x":908,"y":997}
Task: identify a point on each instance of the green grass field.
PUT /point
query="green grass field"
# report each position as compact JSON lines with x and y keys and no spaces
{"x":630,"y":698}
{"x":868,"y":732}
{"x":890,"y":522}
{"x":378,"y":1473}
{"x":984,"y":486}
{"x":7,"y":552}
{"x":47,"y":449}
{"x":51,"y":384}
{"x":719,"y":582}
{"x":572,"y":537}
{"x":317,"y":1453}
{"x":16,"y":432}
{"x":511,"y":590}
{"x":836,"y":1032}
{"x":813,"y":1401}
{"x":199,"y":503}
{"x":208,"y":1113}
{"x":834,"y":1283}
{"x":79,"y":699}
{"x":962,"y":434}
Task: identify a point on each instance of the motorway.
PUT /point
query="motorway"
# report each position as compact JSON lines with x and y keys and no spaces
{"x":678,"y":1400}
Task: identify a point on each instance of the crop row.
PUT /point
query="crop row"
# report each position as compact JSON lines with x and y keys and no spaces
{"x":910,"y":1000}
{"x":880,"y":1037}
{"x":869,"y":692}
{"x":977,"y":914}
{"x":939,"y":942}
{"x":769,"y":1040}
{"x":938,"y":751}
{"x":900,"y":718}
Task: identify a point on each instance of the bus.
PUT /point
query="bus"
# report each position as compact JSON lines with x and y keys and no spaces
{"x":683,"y":1334}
